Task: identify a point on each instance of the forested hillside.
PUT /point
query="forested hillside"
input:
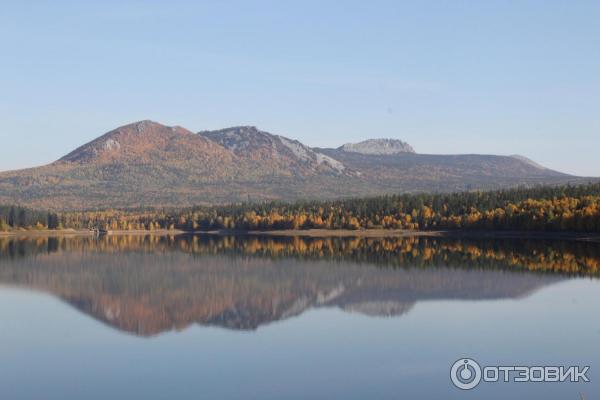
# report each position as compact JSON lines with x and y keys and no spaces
{"x":563,"y":208}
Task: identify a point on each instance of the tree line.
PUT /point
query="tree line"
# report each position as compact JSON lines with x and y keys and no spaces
{"x":570,"y":257}
{"x":27,"y":218}
{"x":544,"y":208}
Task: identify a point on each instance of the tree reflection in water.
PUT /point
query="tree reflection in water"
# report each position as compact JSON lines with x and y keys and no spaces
{"x":149,"y":284}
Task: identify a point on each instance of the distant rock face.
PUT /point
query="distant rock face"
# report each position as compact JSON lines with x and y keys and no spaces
{"x":242,"y":139}
{"x":378,"y":146}
{"x":250,"y":142}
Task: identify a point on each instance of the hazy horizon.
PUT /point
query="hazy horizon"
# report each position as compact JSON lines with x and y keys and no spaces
{"x":447,"y":78}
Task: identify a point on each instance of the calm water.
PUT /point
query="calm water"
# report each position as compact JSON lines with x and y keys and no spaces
{"x":267,"y":318}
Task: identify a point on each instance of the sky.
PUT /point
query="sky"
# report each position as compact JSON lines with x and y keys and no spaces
{"x":448,"y":77}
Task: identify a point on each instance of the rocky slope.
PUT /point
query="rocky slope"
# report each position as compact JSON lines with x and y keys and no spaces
{"x":266,"y":149}
{"x":149,"y":164}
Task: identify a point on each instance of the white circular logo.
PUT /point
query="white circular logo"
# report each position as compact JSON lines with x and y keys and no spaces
{"x":465,"y":373}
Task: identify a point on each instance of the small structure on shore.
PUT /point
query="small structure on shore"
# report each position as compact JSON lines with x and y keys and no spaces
{"x":97,"y":231}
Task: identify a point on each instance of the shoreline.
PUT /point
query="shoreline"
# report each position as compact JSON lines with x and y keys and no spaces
{"x":86,"y":232}
{"x":399,"y":233}
{"x":321,"y":233}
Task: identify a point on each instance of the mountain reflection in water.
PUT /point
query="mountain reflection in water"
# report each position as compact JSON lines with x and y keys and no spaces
{"x":150,"y":284}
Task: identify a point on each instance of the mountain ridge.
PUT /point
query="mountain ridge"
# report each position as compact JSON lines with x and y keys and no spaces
{"x":147,"y":164}
{"x":265,"y":146}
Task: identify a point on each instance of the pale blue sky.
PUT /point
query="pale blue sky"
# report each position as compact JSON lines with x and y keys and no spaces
{"x":495,"y":77}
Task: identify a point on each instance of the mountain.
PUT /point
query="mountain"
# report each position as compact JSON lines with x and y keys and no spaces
{"x":148,"y":142}
{"x":149,"y":164}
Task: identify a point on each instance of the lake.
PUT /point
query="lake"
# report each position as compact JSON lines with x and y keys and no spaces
{"x":237,"y":317}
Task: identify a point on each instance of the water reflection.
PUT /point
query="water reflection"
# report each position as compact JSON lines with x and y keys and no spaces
{"x":150,"y":284}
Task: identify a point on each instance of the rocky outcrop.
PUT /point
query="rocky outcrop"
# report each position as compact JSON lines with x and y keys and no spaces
{"x":378,"y":146}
